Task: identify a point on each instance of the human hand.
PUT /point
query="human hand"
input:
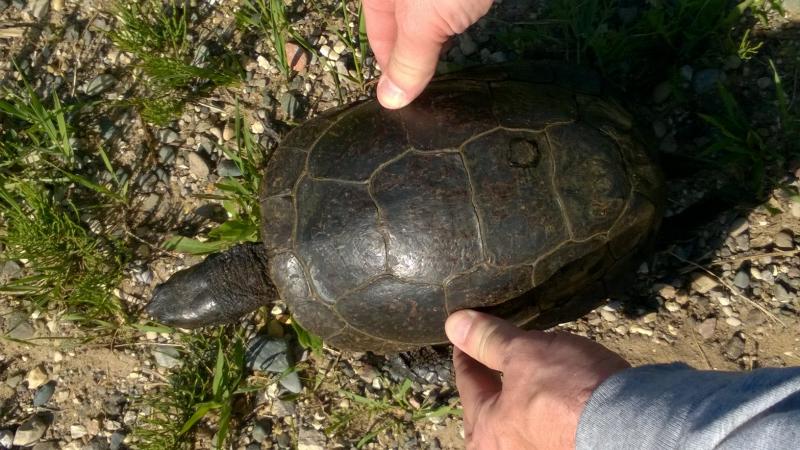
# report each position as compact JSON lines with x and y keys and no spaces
{"x":546,"y":380}
{"x":407,"y":36}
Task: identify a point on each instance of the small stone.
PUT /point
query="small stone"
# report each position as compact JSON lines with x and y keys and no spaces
{"x":38,"y":8}
{"x":702,"y":282}
{"x":340,"y":47}
{"x":44,"y":393}
{"x":257,"y":127}
{"x":467,"y":44}
{"x":672,"y":307}
{"x":197,"y":165}
{"x":742,"y":279}
{"x":263,"y":62}
{"x":298,"y":56}
{"x":228,"y":168}
{"x":662,"y":92}
{"x":781,"y":294}
{"x":764,"y":82}
{"x":743,"y":242}
{"x":666,"y":291}
{"x":77,"y":431}
{"x":36,"y":377}
{"x":166,"y":154}
{"x":216,"y":132}
{"x":18,"y":326}
{"x":794,"y":209}
{"x":6,"y":439}
{"x":30,"y":431}
{"x":326,"y":51}
{"x":783,"y":239}
{"x":9,"y":271}
{"x":229,"y":132}
{"x":290,"y":105}
{"x":734,"y":349}
{"x":707,"y":328}
{"x":650,"y":318}
{"x":267,"y":354}
{"x":659,"y":128}
{"x":738,"y":226}
{"x":639,"y":330}
{"x":310,"y":439}
{"x":732,"y":62}
{"x":291,"y":382}
{"x":608,"y":316}
{"x":100,"y":84}
{"x":733,"y":321}
{"x":167,"y":136}
{"x":50,"y":445}
{"x":706,"y":80}
{"x":686,"y":72}
{"x":116,"y":440}
{"x":166,"y":356}
{"x":57,"y":5}
{"x":262,"y":429}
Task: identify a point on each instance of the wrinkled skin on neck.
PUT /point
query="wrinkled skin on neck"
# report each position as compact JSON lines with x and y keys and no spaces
{"x":219,"y":290}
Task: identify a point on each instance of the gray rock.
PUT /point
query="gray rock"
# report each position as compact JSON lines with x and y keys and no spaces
{"x":47,"y":445}
{"x":3,"y":5}
{"x":783,"y":239}
{"x":197,"y":165}
{"x":742,"y":279}
{"x":268,"y":354}
{"x":115,"y":441}
{"x":18,"y":326}
{"x":168,"y":136}
{"x":38,"y":8}
{"x":30,"y":431}
{"x":782,"y":294}
{"x":166,"y":356}
{"x":262,"y":429}
{"x":96,"y":443}
{"x":228,"y":168}
{"x":290,"y":105}
{"x":44,"y":393}
{"x":6,"y":439}
{"x":687,"y":72}
{"x":734,"y":349}
{"x":662,"y":92}
{"x":467,"y":44}
{"x":291,"y":382}
{"x":732,"y":62}
{"x":707,"y":328}
{"x":706,"y":80}
{"x":100,"y":84}
{"x":166,"y":154}
{"x":114,"y":404}
{"x":743,"y":242}
{"x":764,"y":82}
{"x":738,"y":226}
{"x":9,"y":271}
{"x":310,"y":439}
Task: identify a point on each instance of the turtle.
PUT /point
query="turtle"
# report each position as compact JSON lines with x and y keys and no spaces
{"x":526,"y":191}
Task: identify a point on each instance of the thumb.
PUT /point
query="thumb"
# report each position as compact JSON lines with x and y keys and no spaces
{"x":412,"y":64}
{"x":485,"y":338}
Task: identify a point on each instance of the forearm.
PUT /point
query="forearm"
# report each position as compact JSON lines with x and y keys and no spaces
{"x":675,"y":406}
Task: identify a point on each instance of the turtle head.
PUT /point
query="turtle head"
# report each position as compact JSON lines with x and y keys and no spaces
{"x":219,"y":290}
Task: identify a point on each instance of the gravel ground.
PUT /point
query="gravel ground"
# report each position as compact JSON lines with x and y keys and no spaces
{"x":725,"y":296}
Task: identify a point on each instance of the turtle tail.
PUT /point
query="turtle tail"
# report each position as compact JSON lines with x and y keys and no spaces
{"x":219,"y":290}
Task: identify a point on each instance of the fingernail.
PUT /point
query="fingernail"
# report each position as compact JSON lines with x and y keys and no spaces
{"x":458,"y":325}
{"x":390,"y":95}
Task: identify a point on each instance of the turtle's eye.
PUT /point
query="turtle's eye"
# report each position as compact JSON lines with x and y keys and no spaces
{"x":523,"y":153}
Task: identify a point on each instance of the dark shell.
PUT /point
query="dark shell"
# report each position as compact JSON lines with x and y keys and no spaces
{"x":520,"y":191}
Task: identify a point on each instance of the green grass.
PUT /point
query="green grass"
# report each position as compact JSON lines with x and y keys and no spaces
{"x":369,"y":417}
{"x":158,"y":34}
{"x":46,"y":204}
{"x":239,"y":197}
{"x":203,"y":389}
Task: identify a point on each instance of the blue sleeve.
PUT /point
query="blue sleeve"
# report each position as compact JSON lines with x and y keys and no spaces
{"x":676,"y":407}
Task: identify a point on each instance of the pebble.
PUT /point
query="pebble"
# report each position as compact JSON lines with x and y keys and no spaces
{"x":57,"y":5}
{"x":166,"y":155}
{"x":310,"y":439}
{"x":100,"y":84}
{"x":662,"y":92}
{"x":10,"y":271}
{"x":44,"y":393}
{"x":666,"y":291}
{"x":257,"y":127}
{"x":650,"y":318}
{"x":706,"y":80}
{"x":115,"y":442}
{"x":608,"y":315}
{"x":263,"y":62}
{"x":781,"y":294}
{"x":738,"y":226}
{"x":290,"y":105}
{"x":36,"y":377}
{"x":659,"y":128}
{"x":764,"y":82}
{"x":742,"y":279}
{"x":197,"y":165}
{"x":732,"y":62}
{"x":733,"y":321}
{"x":702,"y":282}
{"x":18,"y":326}
{"x":262,"y":429}
{"x":297,"y":55}
{"x":52,"y":445}
{"x":686,"y":72}
{"x":340,"y":47}
{"x":291,"y":382}
{"x":707,"y":328}
{"x":30,"y":431}
{"x":672,"y":307}
{"x":783,"y":240}
{"x":168,"y":136}
{"x":467,"y":44}
{"x":77,"y":431}
{"x":267,"y":354}
{"x":6,"y":439}
{"x":639,"y":330}
{"x":228,"y":168}
{"x":166,"y":356}
{"x":38,"y":8}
